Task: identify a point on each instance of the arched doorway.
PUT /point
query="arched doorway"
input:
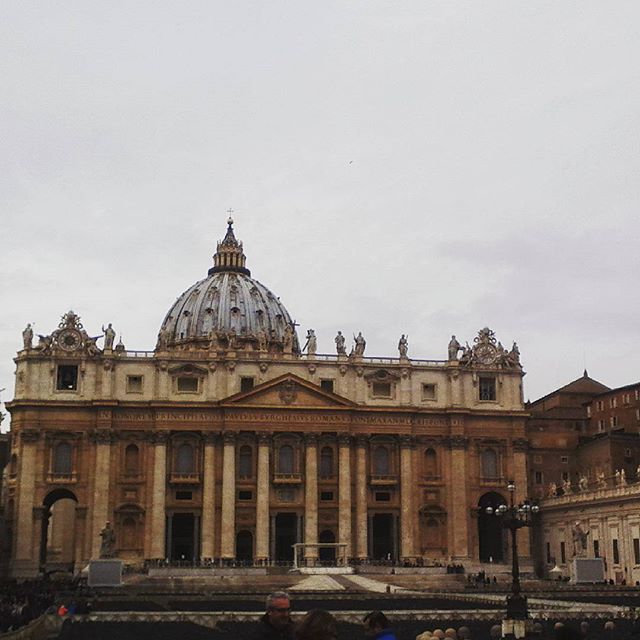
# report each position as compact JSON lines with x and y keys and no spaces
{"x":57,"y":534}
{"x":244,"y":546}
{"x":491,"y":541}
{"x":327,"y":555}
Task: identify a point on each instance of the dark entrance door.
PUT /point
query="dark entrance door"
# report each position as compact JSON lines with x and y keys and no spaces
{"x":182,"y":536}
{"x":490,"y":531}
{"x":327,"y":555}
{"x":244,"y":546}
{"x":286,"y":535}
{"x":382,"y":536}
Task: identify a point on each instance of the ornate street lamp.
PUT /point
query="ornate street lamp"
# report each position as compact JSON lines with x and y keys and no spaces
{"x":513,"y":518}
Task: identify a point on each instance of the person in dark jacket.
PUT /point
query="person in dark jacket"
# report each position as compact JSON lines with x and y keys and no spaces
{"x":276,"y":623}
{"x":376,"y":626}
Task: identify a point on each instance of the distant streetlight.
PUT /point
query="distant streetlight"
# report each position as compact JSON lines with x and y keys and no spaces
{"x":513,"y":518}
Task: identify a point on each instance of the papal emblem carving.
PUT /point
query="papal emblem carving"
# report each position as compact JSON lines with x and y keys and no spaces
{"x":288,"y":391}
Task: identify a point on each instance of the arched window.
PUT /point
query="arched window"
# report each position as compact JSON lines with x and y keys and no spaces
{"x":129,"y":533}
{"x":131,"y":460}
{"x":381,"y":465}
{"x":326,"y":462}
{"x":245,"y":462}
{"x":62,"y":463}
{"x":285,"y":459}
{"x":185,"y":462}
{"x":489,"y":464}
{"x":430,"y":463}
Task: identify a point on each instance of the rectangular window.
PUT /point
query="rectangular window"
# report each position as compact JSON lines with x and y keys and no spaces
{"x":246,"y":384}
{"x":134,"y":384}
{"x":381,"y":389}
{"x":588,"y":411}
{"x":245,"y":495}
{"x":548,"y":552}
{"x":538,"y":477}
{"x":600,"y":405}
{"x":187,"y":385}
{"x":616,"y":551}
{"x":487,"y":388}
{"x":326,"y":496}
{"x":67,"y":378}
{"x":327,"y":385}
{"x":383,"y":496}
{"x":596,"y":548}
{"x":600,"y":425}
{"x":428,"y":391}
{"x":287,"y":495}
{"x":614,"y":421}
{"x":537,"y":459}
{"x":637,"y":414}
{"x":184,"y":495}
{"x":636,"y":550}
{"x":565,"y":475}
{"x":563,"y":553}
{"x":564,"y":459}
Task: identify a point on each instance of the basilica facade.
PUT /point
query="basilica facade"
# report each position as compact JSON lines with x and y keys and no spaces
{"x":232,"y":441}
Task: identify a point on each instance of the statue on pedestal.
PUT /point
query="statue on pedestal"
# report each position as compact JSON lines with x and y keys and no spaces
{"x":340,"y":342}
{"x":566,"y":487}
{"x":109,"y":336}
{"x":454,"y":347}
{"x":311,"y":344}
{"x":579,"y":536}
{"x":583,"y":483}
{"x":403,"y":346}
{"x":360,"y":345}
{"x":553,"y":489}
{"x":108,"y":544}
{"x":602,"y":480}
{"x":287,"y":340}
{"x":27,"y":337}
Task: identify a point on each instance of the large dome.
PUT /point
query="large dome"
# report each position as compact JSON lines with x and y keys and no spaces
{"x":228,"y":310}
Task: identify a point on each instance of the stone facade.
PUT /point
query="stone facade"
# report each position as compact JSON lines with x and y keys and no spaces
{"x":228,"y":443}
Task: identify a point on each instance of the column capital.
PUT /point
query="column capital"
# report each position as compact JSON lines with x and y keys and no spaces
{"x":311,"y":439}
{"x":210,"y":438}
{"x":264,"y":438}
{"x":29,"y":435}
{"x":344,"y":439}
{"x":520,"y":444}
{"x":457,"y":442}
{"x":229,"y":437}
{"x":158,"y":437}
{"x":362,"y":440}
{"x":102,"y":436}
{"x":407,"y":441}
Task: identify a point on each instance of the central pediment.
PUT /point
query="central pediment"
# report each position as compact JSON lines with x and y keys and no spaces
{"x":288,"y":390}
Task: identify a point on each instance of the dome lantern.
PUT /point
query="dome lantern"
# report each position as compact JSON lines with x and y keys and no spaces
{"x":229,"y":255}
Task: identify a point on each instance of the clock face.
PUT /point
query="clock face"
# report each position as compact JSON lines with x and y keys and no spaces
{"x":69,"y":339}
{"x":485,"y":353}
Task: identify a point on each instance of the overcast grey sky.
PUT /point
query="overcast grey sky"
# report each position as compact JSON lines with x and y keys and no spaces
{"x":395,"y":167}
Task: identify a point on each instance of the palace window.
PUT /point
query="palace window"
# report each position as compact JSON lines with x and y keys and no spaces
{"x":537,"y":477}
{"x":616,"y":551}
{"x":487,"y":388}
{"x":383,"y":496}
{"x":326,"y":496}
{"x":548,"y":548}
{"x":636,"y":551}
{"x":67,"y":378}
{"x":489,"y":460}
{"x":185,"y":459}
{"x":563,"y":553}
{"x":326,"y":385}
{"x":62,"y":459}
{"x":596,"y":548}
{"x":246,"y":384}
{"x":186,"y":384}
{"x":428,"y":391}
{"x":285,"y":459}
{"x":184,"y":495}
{"x":245,"y":462}
{"x":326,"y":462}
{"x":131,"y":460}
{"x":245,"y":495}
{"x":381,"y":462}
{"x":430,"y":464}
{"x":134,"y":384}
{"x":381,"y":389}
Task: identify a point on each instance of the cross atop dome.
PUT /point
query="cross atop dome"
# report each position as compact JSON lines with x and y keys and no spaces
{"x":229,"y":255}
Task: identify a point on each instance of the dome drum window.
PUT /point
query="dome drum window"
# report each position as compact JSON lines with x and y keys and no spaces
{"x":188,"y":379}
{"x":382,"y":383}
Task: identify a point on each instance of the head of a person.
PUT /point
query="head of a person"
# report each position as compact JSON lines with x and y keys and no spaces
{"x":374,"y":622}
{"x":278,"y":609}
{"x":317,"y":625}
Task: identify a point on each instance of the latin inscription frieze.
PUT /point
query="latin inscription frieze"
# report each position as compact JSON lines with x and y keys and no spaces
{"x":285,"y":417}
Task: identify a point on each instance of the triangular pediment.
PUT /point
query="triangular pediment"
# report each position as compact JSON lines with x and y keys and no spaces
{"x":288,"y":390}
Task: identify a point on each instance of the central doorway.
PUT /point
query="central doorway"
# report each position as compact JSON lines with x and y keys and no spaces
{"x":383,"y":537}
{"x":327,"y":555}
{"x":182,"y":536}
{"x":286,"y":535}
{"x":491,"y":536}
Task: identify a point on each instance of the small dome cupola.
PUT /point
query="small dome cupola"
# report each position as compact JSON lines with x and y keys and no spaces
{"x":229,"y":255}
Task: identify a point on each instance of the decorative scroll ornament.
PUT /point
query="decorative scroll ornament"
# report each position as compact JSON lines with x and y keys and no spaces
{"x":288,"y":391}
{"x":489,"y":352}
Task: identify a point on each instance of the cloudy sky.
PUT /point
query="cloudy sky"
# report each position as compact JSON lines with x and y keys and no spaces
{"x":394,"y":167}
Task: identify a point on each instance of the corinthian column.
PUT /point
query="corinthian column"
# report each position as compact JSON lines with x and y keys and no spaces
{"x":459,"y":507}
{"x":407,"y":528}
{"x":311,"y":497}
{"x":158,"y":496}
{"x":26,"y":495}
{"x":344,"y":494}
{"x":361,"y":497}
{"x":228,"y":524}
{"x":101,"y":473}
{"x":262,"y":498}
{"x":208,"y":495}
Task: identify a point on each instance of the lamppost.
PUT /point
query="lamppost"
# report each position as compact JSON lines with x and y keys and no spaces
{"x":513,"y":518}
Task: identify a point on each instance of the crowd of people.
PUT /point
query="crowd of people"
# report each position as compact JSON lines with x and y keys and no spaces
{"x":21,"y":602}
